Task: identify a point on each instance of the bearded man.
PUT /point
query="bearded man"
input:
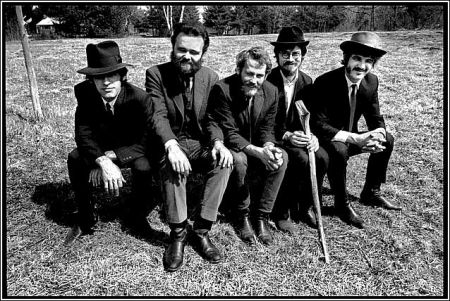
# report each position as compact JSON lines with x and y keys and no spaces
{"x":179,"y":90}
{"x":245,"y":106}
{"x":294,"y":201}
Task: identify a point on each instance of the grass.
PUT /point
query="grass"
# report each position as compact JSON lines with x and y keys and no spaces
{"x":398,"y":254}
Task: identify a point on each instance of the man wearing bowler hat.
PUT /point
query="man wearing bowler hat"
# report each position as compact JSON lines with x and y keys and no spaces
{"x":112,"y":122}
{"x":294,"y":199}
{"x":341,"y":96}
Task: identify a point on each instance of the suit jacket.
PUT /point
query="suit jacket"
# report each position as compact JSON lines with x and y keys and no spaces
{"x":228,"y":107}
{"x":126,"y":134}
{"x":332,"y":106}
{"x":166,"y":88}
{"x":290,"y":120}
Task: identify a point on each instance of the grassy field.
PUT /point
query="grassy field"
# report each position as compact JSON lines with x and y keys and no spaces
{"x":398,"y":254}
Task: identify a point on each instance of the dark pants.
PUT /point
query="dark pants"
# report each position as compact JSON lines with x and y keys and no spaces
{"x":142,"y":199}
{"x":340,"y":152}
{"x":250,"y":174}
{"x":295,"y":193}
{"x":174,"y":185}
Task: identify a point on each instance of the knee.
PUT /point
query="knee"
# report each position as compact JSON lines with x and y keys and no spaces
{"x":338,"y":151}
{"x":240,"y":161}
{"x":142,"y":165}
{"x":74,"y":155}
{"x":322,"y":159}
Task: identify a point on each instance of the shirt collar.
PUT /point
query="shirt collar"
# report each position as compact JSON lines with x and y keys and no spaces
{"x":111,"y":103}
{"x":350,"y":83}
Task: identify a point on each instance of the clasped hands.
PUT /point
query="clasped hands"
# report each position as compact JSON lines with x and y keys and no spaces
{"x":271,"y":156}
{"x":300,"y":139}
{"x":108,"y":174}
{"x":369,"y":142}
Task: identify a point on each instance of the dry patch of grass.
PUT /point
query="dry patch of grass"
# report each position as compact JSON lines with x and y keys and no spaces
{"x":399,"y":254}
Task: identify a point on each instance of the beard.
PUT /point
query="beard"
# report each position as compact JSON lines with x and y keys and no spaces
{"x":250,"y":90}
{"x":289,"y":69}
{"x":185,"y":66}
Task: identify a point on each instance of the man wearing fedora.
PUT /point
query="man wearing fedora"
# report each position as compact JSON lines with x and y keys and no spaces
{"x":341,"y":96}
{"x":112,"y":123}
{"x":294,"y":200}
{"x":185,"y":142}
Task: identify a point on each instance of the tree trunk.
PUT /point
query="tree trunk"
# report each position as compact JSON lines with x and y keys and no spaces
{"x":181,"y":15}
{"x":29,"y":65}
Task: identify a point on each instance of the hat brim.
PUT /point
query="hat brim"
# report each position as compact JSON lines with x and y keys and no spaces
{"x":352,"y":46}
{"x":105,"y":70}
{"x":304,"y":43}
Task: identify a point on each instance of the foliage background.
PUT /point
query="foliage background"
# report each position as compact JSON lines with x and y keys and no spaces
{"x":398,"y":254}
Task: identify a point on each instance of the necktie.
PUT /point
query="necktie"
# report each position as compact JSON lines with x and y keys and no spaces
{"x":109,"y":111}
{"x":352,"y":107}
{"x":249,"y":114}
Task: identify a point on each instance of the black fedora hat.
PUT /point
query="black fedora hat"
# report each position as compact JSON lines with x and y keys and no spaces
{"x":103,"y":58}
{"x":289,"y":36}
{"x":364,"y":42}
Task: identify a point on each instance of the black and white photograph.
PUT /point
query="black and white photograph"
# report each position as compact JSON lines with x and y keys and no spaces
{"x":227,"y":149}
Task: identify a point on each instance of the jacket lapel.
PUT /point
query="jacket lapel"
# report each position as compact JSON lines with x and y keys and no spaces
{"x":178,"y":97}
{"x":258,"y":102}
{"x":199,"y":93}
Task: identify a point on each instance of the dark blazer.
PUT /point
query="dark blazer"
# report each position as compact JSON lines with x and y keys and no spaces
{"x":332,"y":105}
{"x":290,"y":121}
{"x":166,"y":88}
{"x":126,"y":134}
{"x":228,"y":107}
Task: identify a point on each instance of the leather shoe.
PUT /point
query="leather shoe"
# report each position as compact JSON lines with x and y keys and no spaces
{"x":285,"y":225}
{"x":86,"y":221}
{"x":349,"y":215}
{"x":309,"y":217}
{"x":262,"y":230}
{"x":205,"y":247}
{"x":173,"y":256}
{"x":244,"y":230}
{"x":372,"y":197}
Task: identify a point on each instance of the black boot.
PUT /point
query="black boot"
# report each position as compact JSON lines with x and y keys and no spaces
{"x":244,"y":229}
{"x":205,"y":247}
{"x":347,"y":214}
{"x":260,"y":223}
{"x":371,"y":196}
{"x":173,"y":256}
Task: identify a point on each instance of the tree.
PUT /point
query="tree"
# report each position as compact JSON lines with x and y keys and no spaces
{"x":217,"y":17}
{"x":191,"y":14}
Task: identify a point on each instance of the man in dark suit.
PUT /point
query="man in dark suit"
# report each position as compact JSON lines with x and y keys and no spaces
{"x":179,"y":91}
{"x":295,"y":196}
{"x":245,"y":105}
{"x":342,"y":96}
{"x":112,"y":123}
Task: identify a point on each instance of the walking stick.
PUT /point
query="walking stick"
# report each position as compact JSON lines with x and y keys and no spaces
{"x":304,"y":119}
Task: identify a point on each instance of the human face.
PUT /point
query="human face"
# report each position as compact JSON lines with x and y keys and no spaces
{"x":290,"y":60}
{"x":187,"y":54}
{"x":108,"y":85}
{"x":358,"y":66}
{"x":252,"y":77}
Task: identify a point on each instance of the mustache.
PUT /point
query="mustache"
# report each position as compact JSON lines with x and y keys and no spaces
{"x":359,"y":69}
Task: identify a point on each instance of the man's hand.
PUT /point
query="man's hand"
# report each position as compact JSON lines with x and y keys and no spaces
{"x":178,"y":159}
{"x":272,"y":157}
{"x":111,"y":175}
{"x":370,"y":142}
{"x":95,"y":177}
{"x":219,"y":151}
{"x":299,"y":139}
{"x":313,"y":144}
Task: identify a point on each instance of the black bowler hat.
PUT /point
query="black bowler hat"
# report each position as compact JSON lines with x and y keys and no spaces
{"x":103,"y":58}
{"x":363,"y":42}
{"x":290,"y":36}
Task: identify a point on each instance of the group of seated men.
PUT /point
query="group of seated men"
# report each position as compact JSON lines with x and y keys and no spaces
{"x":243,"y":133}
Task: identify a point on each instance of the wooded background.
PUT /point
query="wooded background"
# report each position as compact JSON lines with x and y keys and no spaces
{"x":101,"y":21}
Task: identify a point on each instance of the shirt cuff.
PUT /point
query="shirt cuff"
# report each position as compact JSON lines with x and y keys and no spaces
{"x":341,"y":136}
{"x":169,"y":143}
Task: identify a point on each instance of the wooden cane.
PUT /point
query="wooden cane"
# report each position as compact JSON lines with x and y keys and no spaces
{"x":304,"y":119}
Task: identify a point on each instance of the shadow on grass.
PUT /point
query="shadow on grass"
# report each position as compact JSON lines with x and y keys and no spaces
{"x":61,"y":208}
